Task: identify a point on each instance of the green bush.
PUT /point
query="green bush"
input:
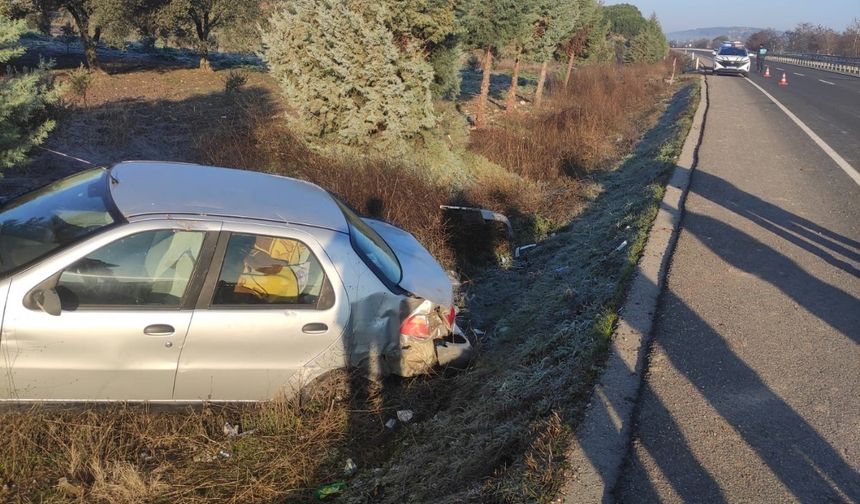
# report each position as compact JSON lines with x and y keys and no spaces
{"x":342,"y":68}
{"x":79,"y":81}
{"x":24,"y":98}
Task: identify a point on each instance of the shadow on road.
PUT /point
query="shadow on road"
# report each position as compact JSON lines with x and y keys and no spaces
{"x":806,"y":463}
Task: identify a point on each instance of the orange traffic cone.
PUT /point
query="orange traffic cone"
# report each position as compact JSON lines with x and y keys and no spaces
{"x":783,"y":81}
{"x":767,"y":72}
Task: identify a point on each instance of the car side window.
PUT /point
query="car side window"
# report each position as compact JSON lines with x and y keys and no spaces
{"x":152,"y":268}
{"x":268,"y":270}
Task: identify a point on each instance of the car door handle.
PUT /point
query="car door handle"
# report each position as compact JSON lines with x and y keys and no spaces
{"x":159,"y":330}
{"x":314,"y":328}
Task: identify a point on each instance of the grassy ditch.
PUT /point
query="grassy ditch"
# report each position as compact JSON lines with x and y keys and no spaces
{"x":509,"y":420}
{"x":496,"y":433}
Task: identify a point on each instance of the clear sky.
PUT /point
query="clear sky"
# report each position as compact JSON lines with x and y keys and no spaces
{"x":676,"y":15}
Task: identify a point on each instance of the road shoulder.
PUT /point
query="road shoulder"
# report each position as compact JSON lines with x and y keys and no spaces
{"x":603,"y":437}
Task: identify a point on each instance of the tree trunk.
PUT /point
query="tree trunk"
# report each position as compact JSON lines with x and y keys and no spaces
{"x":511,"y":101}
{"x":485,"y":88}
{"x":541,"y":82}
{"x":569,"y":67}
{"x":204,"y":62}
{"x":83,"y":23}
{"x":90,"y":53}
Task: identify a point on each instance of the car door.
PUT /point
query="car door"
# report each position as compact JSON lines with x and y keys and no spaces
{"x":126,"y":300}
{"x":270,"y":316}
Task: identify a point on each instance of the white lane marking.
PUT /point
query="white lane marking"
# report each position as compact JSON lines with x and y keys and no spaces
{"x":780,"y":69}
{"x":802,"y":75}
{"x":839,"y":160}
{"x":827,"y":82}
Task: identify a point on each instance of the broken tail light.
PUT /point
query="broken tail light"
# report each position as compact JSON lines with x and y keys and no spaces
{"x":449,"y":318}
{"x":416,"y":326}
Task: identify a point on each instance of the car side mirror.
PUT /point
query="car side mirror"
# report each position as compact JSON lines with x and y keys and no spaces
{"x":48,"y":301}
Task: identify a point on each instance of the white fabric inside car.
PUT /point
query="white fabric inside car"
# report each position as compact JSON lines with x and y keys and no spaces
{"x":170,"y":262}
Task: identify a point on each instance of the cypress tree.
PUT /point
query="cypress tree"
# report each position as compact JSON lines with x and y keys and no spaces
{"x":352,"y":80}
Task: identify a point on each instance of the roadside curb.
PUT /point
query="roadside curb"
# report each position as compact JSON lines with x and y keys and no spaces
{"x":602,"y":440}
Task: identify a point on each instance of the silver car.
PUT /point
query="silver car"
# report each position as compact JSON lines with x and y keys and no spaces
{"x":179,"y":282}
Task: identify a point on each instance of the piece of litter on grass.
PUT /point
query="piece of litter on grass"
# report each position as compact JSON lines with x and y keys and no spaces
{"x":391,"y":423}
{"x":478,"y":331}
{"x":224,"y":454}
{"x":405,"y":416}
{"x":230,"y":430}
{"x":620,"y":247}
{"x":349,"y":468}
{"x":523,"y":248}
{"x":326,"y":491}
{"x":561,"y":269}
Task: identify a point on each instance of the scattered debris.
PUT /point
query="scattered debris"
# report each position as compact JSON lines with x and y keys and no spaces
{"x":145,"y":456}
{"x":231,"y":431}
{"x":561,"y":269}
{"x":67,"y":488}
{"x":391,"y":424}
{"x":224,"y":454}
{"x":203,"y":457}
{"x":523,"y":248}
{"x":485,"y":214}
{"x":405,"y":416}
{"x":329,"y":490}
{"x":620,"y":247}
{"x":349,"y":468}
{"x":478,"y":332}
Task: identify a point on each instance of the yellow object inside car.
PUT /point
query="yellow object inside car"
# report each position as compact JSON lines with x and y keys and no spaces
{"x":267,"y":273}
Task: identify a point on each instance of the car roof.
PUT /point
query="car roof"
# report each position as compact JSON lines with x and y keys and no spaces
{"x":152,"y":187}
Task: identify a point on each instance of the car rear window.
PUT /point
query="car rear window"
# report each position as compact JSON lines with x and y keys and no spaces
{"x":371,"y":247}
{"x":733,"y":51}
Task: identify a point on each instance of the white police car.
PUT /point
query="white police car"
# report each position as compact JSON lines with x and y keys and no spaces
{"x":732,"y":59}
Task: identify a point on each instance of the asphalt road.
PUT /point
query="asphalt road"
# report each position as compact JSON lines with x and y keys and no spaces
{"x":751,"y":392}
{"x":827,"y":102}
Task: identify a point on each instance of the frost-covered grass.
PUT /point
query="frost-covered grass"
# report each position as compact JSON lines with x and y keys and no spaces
{"x":495,"y":433}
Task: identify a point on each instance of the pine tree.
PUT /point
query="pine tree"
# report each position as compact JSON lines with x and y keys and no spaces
{"x":589,"y":30}
{"x":491,"y":25}
{"x":519,"y":46}
{"x":23,"y":99}
{"x":339,"y":63}
{"x":650,"y":45}
{"x":432,"y":25}
{"x":555,"y":22}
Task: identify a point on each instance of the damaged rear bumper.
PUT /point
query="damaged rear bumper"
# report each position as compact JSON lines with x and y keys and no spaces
{"x":420,"y":357}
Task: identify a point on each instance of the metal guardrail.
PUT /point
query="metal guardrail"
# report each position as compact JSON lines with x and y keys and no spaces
{"x":840,"y":64}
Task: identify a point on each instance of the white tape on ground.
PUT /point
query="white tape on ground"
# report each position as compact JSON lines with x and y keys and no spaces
{"x":839,"y":160}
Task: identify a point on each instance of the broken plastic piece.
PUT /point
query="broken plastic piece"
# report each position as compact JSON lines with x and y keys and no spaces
{"x":391,"y":423}
{"x":620,"y":247}
{"x":405,"y":416}
{"x":349,"y":468}
{"x":488,"y":215}
{"x":326,"y":491}
{"x":230,"y":430}
{"x":224,"y":454}
{"x":523,"y":248}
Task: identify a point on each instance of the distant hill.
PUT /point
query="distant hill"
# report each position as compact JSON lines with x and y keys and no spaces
{"x":732,"y":32}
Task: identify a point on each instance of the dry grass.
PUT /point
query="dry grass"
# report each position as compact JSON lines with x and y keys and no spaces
{"x":586,"y":127}
{"x":128,"y":453}
{"x":494,"y":434}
